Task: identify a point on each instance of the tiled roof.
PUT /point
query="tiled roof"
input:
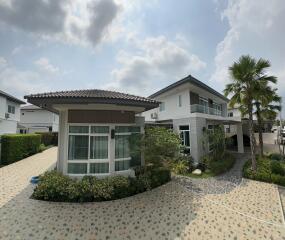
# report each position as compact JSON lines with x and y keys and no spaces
{"x":192,"y":80}
{"x":11,"y":98}
{"x":90,"y":93}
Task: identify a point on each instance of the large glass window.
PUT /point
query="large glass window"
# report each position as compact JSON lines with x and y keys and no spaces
{"x":99,"y":147}
{"x":123,"y":142}
{"x":99,"y":168}
{"x":78,"y":147}
{"x":89,"y":149}
{"x":185,"y":137}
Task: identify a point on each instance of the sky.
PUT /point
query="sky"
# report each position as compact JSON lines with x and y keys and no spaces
{"x":134,"y":46}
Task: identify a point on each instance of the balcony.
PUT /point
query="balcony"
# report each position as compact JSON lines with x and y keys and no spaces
{"x":197,"y":108}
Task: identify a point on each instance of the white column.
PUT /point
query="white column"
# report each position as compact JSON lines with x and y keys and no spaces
{"x":240,"y":138}
{"x":62,"y":142}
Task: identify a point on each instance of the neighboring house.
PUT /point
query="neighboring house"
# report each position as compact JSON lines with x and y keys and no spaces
{"x":231,"y":130}
{"x":9,"y":113}
{"x":35,"y":119}
{"x":94,"y":130}
{"x":191,"y":106}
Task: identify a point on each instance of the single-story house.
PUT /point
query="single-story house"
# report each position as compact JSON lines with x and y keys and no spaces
{"x":95,"y":129}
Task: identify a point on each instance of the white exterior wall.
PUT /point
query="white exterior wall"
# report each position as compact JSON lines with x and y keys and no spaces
{"x":172,"y":109}
{"x":39,"y":120}
{"x":8,"y":125}
{"x":62,"y":162}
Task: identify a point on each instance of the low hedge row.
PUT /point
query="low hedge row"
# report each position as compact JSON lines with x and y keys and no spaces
{"x":15,"y":147}
{"x":268,"y":170}
{"x":49,"y":138}
{"x":54,"y":186}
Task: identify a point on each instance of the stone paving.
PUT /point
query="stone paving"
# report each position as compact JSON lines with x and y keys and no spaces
{"x":171,"y":211}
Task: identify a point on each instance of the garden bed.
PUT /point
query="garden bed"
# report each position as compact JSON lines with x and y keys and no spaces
{"x":270,"y":169}
{"x":210,"y":168}
{"x":53,"y":186}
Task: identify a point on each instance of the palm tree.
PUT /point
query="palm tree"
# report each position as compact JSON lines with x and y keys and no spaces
{"x":266,"y":107}
{"x":248,"y":76}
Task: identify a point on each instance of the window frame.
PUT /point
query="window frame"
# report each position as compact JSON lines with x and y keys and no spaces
{"x":162,"y":106}
{"x":89,"y":161}
{"x":179,"y":100}
{"x":183,"y":132}
{"x":123,"y":159}
{"x":9,"y":107}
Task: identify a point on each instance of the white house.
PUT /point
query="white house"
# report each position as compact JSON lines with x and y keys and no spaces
{"x":9,"y":113}
{"x":95,"y":130}
{"x":190,"y":106}
{"x":35,"y":119}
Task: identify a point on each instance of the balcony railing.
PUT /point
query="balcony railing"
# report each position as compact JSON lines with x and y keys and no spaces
{"x":197,"y":108}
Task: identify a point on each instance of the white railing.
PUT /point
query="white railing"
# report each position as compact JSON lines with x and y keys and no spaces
{"x":197,"y":108}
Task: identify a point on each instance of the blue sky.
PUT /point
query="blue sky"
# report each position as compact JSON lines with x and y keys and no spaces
{"x":134,"y":46}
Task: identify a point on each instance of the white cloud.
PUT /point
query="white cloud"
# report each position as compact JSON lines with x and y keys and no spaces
{"x":253,"y":29}
{"x":45,"y":65}
{"x":3,"y":62}
{"x":85,"y":22}
{"x":19,"y":83}
{"x":157,"y":61}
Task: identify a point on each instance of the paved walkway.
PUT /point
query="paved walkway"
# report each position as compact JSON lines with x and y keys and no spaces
{"x":251,"y":210}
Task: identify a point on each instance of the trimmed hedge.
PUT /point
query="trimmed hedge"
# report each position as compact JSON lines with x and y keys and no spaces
{"x":18,"y":146}
{"x":49,"y":138}
{"x":268,"y":170}
{"x":54,"y":186}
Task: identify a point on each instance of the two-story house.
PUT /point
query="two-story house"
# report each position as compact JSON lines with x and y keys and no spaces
{"x":9,"y":113}
{"x":35,"y":119}
{"x":191,"y":106}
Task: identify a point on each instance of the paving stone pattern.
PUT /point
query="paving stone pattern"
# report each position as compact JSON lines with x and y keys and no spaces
{"x":169,"y":212}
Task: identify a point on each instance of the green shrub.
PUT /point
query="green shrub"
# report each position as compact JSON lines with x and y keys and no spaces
{"x":18,"y":146}
{"x":277,"y":168}
{"x":268,"y":170}
{"x":54,"y":186}
{"x":160,"y":145}
{"x":180,"y":167}
{"x":49,"y":138}
{"x":222,"y":165}
{"x":276,"y":156}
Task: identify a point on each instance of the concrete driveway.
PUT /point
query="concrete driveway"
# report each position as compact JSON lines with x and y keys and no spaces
{"x":177,"y":210}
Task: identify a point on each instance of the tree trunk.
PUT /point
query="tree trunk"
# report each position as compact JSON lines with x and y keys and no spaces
{"x":252,"y":139}
{"x":259,"y":125}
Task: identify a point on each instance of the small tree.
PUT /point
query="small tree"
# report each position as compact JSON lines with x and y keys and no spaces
{"x":215,"y":139}
{"x":160,"y":145}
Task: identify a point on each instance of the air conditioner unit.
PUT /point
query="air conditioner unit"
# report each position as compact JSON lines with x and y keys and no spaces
{"x":153,"y":115}
{"x":7,"y":115}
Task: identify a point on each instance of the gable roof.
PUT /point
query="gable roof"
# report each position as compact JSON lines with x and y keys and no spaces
{"x":192,"y":80}
{"x":11,"y":98}
{"x":90,"y":96}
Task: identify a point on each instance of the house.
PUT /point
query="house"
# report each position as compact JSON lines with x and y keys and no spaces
{"x":9,"y":113}
{"x":231,"y":130}
{"x":35,"y":119}
{"x":190,"y":107}
{"x":95,"y":130}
